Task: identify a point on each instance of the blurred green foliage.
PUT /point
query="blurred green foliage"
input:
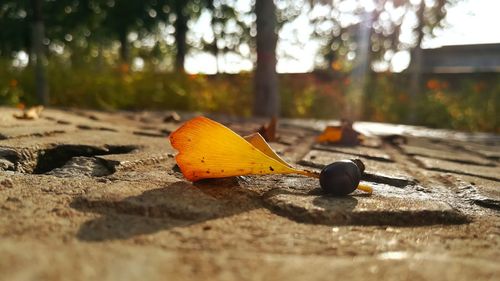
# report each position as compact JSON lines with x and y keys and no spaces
{"x":467,"y":104}
{"x":461,"y":102}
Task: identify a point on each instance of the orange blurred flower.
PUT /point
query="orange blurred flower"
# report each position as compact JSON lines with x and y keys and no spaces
{"x":13,"y":83}
{"x":433,"y":84}
{"x":479,"y":87}
{"x":124,"y":68}
{"x":336,"y":65}
{"x":403,"y":97}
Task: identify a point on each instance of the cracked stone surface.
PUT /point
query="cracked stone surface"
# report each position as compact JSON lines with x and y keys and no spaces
{"x":447,"y":153}
{"x":359,"y":151}
{"x":96,"y":195}
{"x":460,"y":168}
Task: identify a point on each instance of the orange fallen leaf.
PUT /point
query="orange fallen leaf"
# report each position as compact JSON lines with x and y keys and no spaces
{"x":208,"y":149}
{"x":343,"y":134}
{"x":330,"y":134}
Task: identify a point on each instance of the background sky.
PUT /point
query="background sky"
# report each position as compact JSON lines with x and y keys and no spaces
{"x":467,"y":22}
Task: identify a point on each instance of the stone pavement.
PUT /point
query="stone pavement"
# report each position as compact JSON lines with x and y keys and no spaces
{"x":90,"y":195}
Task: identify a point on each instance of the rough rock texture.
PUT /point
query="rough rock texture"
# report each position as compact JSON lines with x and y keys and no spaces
{"x":90,"y":195}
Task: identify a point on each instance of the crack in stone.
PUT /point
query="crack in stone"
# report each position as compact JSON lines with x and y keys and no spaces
{"x":487,"y":203}
{"x":41,"y":134}
{"x":36,"y":160}
{"x":463,"y":161}
{"x":389,"y":180}
{"x":86,"y":127}
{"x":56,"y":157}
{"x":372,"y":177}
{"x":160,"y":134}
{"x":461,"y":173}
{"x":367,"y":156}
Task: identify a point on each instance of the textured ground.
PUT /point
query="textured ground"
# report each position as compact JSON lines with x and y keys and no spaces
{"x":92,"y":195}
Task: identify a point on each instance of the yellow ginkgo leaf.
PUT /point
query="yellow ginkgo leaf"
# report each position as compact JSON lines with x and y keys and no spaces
{"x":260,"y":143}
{"x":208,"y":149}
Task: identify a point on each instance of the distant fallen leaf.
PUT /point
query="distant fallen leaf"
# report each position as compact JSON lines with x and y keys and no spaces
{"x":268,"y":131}
{"x":330,"y":134}
{"x":30,"y":113}
{"x":208,"y":149}
{"x":343,"y":134}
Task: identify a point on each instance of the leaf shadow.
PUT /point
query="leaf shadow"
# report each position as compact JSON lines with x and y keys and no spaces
{"x":175,"y":205}
{"x":182,"y":204}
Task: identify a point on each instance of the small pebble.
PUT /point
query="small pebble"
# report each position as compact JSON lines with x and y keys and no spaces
{"x":172,"y":117}
{"x":7,"y":183}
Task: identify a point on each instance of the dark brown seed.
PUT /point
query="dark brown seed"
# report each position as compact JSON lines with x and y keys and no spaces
{"x":342,"y":177}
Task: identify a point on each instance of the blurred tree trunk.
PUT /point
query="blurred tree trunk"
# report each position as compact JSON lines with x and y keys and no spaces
{"x":216,"y":55}
{"x":38,"y":56}
{"x":181,"y":29}
{"x":267,"y":102}
{"x":124,"y":46}
{"x":215,"y":51}
{"x":416,"y":66}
